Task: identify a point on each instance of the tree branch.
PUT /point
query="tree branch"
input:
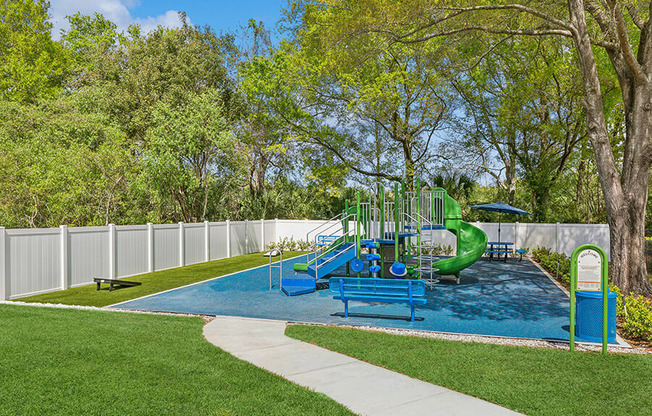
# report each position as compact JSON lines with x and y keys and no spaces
{"x":633,"y":13}
{"x":524,"y":32}
{"x":623,"y":39}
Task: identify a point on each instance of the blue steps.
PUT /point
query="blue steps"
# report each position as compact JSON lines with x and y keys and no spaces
{"x":299,"y":284}
{"x":340,"y":256}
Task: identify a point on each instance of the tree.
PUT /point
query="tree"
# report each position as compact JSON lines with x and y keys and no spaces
{"x":621,"y":30}
{"x":32,"y":65}
{"x":525,"y":104}
{"x":189,"y":146}
{"x":391,"y":104}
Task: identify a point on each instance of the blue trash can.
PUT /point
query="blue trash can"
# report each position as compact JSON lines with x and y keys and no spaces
{"x":588,"y":316}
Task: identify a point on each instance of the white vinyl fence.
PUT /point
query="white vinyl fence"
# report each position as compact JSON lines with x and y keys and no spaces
{"x":34,"y":261}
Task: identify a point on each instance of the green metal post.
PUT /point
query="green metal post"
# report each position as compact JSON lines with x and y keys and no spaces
{"x":419,"y":216}
{"x":346,"y":230}
{"x":396,"y":199}
{"x":357,"y":228}
{"x":367,"y":230}
{"x":605,"y":300}
{"x":382,"y":231}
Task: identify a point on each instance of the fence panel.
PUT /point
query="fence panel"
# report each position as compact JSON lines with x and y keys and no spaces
{"x":166,"y":246}
{"x":532,"y":235}
{"x":253,"y":237}
{"x":238,"y":237}
{"x":270,"y":232}
{"x":193,"y":242}
{"x":218,"y":243}
{"x":573,"y":235}
{"x":34,"y":258}
{"x":89,"y":254}
{"x":132,"y":250}
{"x":295,"y":229}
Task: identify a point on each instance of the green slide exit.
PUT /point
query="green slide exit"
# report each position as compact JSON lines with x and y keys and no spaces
{"x":471,"y":241}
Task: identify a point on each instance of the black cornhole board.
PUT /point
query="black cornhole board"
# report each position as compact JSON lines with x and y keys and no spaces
{"x":112,"y":282}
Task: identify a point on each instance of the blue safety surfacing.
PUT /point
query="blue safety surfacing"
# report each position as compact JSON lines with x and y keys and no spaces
{"x":513,"y":299}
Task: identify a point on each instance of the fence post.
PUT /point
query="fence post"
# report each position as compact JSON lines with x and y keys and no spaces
{"x":150,"y":247}
{"x":112,"y":256}
{"x":65,"y":264}
{"x":228,"y":239}
{"x":5,"y":289}
{"x":276,"y":230}
{"x":557,"y":238}
{"x":246,"y":250}
{"x":262,"y":234}
{"x":516,"y":228}
{"x":207,"y":241}
{"x":182,"y":243}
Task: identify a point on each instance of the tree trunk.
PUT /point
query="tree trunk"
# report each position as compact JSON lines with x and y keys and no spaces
{"x":624,"y":197}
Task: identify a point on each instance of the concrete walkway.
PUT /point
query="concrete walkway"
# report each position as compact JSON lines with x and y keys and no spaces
{"x":364,"y":388}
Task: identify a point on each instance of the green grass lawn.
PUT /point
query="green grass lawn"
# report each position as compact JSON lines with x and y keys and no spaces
{"x":155,"y":282}
{"x":533,"y":381}
{"x":79,"y":362}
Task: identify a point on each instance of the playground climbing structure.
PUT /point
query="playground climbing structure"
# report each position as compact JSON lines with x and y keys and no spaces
{"x":399,"y":226}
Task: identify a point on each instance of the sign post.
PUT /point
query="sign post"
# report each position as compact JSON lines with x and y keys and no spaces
{"x":589,"y":272}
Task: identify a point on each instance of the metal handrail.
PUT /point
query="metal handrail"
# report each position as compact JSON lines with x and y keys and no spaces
{"x":314,"y":230}
{"x":321,"y":225}
{"x":317,"y":266}
{"x":337,"y":224}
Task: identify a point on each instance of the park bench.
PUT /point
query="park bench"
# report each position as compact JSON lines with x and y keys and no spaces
{"x":114,"y":282}
{"x":411,"y":292}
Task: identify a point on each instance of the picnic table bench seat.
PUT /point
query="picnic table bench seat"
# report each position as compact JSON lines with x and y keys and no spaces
{"x":411,"y":292}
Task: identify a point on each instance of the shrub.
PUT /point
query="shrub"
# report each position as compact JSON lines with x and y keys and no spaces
{"x":635,"y":313}
{"x":288,"y":244}
{"x":557,"y":264}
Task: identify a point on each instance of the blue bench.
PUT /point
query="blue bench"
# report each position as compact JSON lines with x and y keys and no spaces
{"x":411,"y":292}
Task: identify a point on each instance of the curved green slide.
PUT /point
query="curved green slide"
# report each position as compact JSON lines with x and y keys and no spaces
{"x":471,"y":241}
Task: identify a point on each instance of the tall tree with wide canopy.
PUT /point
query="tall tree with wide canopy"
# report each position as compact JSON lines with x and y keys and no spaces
{"x":523,"y":115}
{"x":622,"y":30}
{"x":387,"y":107}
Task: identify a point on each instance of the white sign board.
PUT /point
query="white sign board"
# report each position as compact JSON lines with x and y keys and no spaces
{"x":589,"y":268}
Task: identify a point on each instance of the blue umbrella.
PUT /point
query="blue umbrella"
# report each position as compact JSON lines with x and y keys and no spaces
{"x":500,"y":208}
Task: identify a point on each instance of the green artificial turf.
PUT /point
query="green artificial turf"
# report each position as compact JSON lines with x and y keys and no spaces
{"x":533,"y":381}
{"x":79,"y":362}
{"x":154,"y":282}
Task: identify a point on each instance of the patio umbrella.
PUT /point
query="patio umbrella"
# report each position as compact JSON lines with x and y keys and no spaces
{"x":500,"y":208}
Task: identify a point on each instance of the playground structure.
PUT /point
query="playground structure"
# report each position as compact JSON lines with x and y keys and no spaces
{"x":398,"y":236}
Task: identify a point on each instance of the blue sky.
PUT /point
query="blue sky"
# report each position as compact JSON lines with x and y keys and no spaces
{"x":220,"y":15}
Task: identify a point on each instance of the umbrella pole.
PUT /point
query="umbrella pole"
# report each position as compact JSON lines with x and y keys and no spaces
{"x":499,"y":214}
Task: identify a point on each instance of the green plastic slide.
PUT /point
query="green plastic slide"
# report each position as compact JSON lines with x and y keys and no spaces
{"x":471,"y":241}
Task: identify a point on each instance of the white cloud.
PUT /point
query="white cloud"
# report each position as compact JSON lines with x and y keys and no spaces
{"x":116,"y":11}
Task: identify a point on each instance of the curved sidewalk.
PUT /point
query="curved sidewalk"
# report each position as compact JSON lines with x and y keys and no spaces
{"x":362,"y":387}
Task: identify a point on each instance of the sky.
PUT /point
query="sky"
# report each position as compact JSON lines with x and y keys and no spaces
{"x":221,"y":15}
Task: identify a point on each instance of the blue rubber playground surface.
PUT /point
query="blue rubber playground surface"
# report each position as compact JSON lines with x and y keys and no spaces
{"x":513,"y":299}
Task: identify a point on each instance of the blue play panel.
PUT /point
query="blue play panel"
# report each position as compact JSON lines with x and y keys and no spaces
{"x":512,"y":299}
